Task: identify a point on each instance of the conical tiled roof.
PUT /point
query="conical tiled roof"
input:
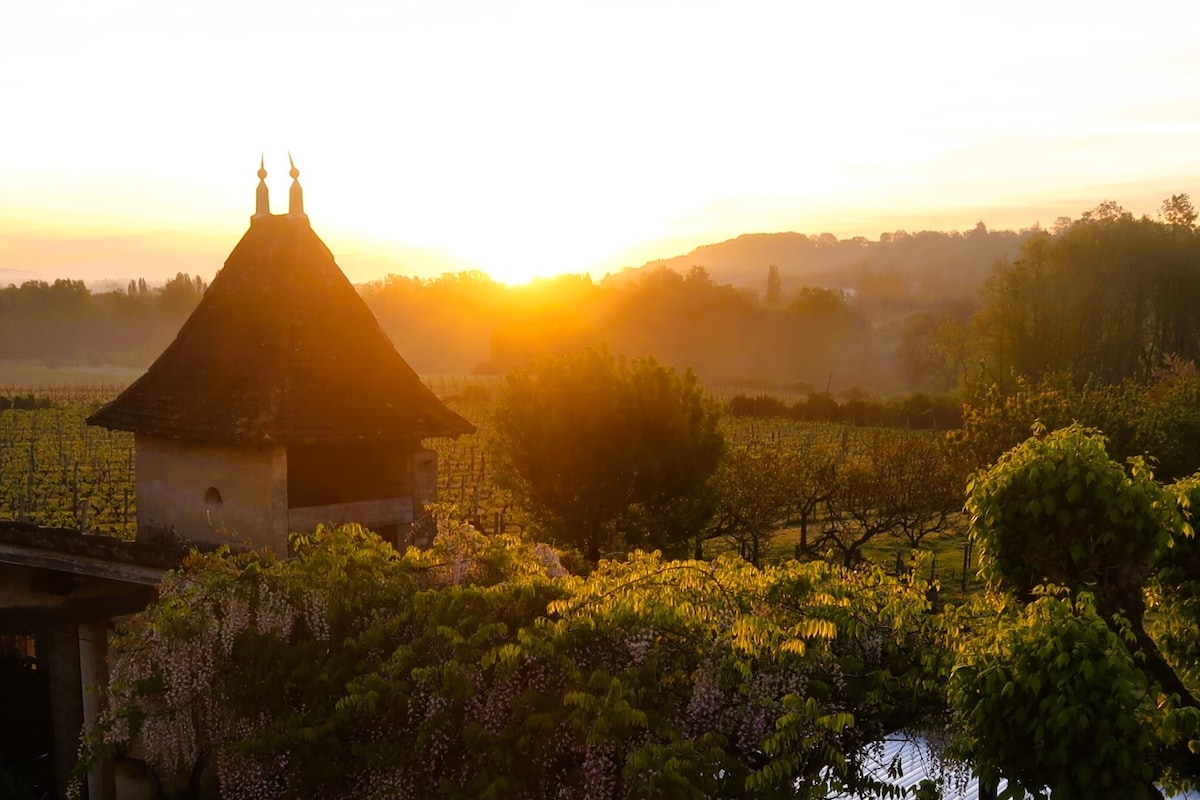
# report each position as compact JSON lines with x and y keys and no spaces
{"x":281,"y":350}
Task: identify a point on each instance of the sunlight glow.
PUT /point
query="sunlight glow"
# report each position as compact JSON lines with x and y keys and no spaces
{"x":536,"y":137}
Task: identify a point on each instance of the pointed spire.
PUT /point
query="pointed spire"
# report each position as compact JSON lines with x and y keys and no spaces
{"x":296,"y":196}
{"x":262,"y":204}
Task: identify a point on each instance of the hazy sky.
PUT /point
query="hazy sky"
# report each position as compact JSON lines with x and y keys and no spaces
{"x":538,"y":137}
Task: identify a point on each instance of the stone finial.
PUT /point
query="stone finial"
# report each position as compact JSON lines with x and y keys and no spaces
{"x":296,"y":195}
{"x":262,"y":205}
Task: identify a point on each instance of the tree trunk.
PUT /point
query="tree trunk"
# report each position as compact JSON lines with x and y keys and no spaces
{"x":1133,"y":608}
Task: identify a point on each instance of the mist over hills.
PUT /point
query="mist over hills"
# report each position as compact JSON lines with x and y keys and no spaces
{"x":903,"y":313}
{"x":846,"y":314}
{"x":943,"y":266}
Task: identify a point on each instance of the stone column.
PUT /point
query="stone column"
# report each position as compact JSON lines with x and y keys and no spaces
{"x":93,"y":673}
{"x":424,"y":492}
{"x":58,"y":654}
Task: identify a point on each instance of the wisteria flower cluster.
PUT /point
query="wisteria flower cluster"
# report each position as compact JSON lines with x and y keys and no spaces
{"x":479,"y":668}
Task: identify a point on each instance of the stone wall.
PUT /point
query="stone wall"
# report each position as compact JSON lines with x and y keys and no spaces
{"x":206,"y":492}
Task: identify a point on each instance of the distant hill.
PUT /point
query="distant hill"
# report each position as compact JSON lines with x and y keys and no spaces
{"x":12,"y":275}
{"x":948,"y":265}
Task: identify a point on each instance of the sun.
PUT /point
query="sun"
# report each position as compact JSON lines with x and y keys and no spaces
{"x":517,"y":274}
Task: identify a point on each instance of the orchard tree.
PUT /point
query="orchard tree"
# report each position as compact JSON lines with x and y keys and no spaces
{"x":811,"y":467}
{"x":607,"y":453}
{"x":755,"y":497}
{"x":902,"y":485}
{"x":1063,"y":685}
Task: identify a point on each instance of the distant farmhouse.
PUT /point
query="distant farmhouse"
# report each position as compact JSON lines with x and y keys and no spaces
{"x":280,"y":405}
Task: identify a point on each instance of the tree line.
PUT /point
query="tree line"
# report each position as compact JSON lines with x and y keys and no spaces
{"x":64,"y":322}
{"x":1107,"y":296}
{"x":810,"y":329}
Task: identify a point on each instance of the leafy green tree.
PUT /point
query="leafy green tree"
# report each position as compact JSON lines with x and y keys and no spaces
{"x":1073,"y":544}
{"x":605,"y":453}
{"x":1054,"y":699}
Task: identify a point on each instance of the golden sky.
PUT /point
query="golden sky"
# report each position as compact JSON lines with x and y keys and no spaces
{"x":539,"y":137}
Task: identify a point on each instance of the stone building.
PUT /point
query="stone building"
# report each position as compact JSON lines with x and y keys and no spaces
{"x":281,"y":403}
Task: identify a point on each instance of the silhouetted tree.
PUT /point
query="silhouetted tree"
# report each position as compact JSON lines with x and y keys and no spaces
{"x":1109,"y":297}
{"x":1178,"y":210}
{"x":774,"y":292}
{"x":605,"y":453}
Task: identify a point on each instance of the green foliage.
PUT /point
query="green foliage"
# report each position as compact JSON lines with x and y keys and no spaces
{"x":1169,"y":427}
{"x":1058,"y":509}
{"x":470,"y":670}
{"x":1175,"y":591}
{"x":607,"y":454}
{"x":996,"y":421}
{"x":1053,"y":698}
{"x":1161,"y":419}
{"x":1058,"y":683}
{"x":57,"y":471}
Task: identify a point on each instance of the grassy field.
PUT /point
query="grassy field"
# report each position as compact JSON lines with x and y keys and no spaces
{"x":943,"y":558}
